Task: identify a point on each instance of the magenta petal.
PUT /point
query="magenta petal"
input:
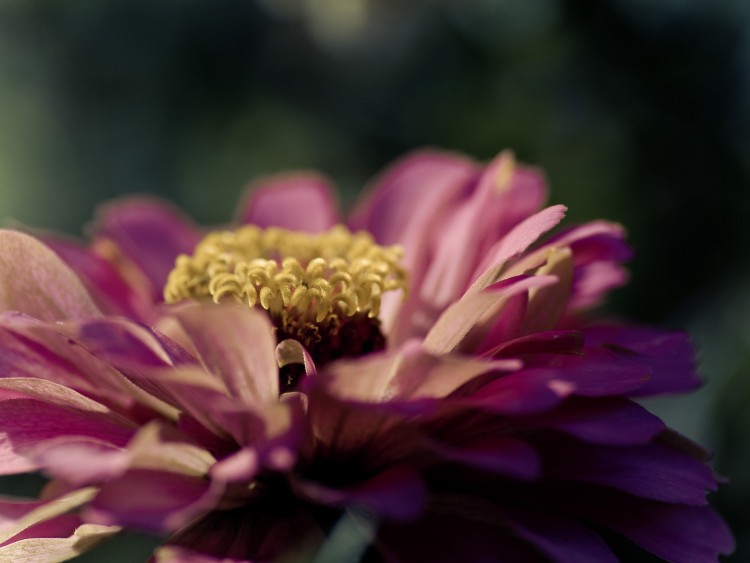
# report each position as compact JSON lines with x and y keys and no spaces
{"x":34,"y":281}
{"x":599,"y":372}
{"x":108,"y":288}
{"x":551,"y":342}
{"x":150,"y":234}
{"x":151,"y":500}
{"x":298,"y":202}
{"x":521,"y":393}
{"x":57,"y":527}
{"x":25,"y":422}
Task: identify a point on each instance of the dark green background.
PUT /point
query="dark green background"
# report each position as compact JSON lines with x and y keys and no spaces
{"x":638,"y":111}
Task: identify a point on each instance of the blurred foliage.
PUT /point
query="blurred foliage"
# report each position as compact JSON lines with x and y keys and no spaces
{"x":638,"y":111}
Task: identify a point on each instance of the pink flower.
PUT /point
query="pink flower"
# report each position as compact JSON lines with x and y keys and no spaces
{"x":461,"y":403}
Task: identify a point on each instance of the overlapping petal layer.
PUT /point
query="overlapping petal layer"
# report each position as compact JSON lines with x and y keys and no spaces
{"x":500,"y":424}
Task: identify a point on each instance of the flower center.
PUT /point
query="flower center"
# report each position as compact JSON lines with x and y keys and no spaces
{"x":323,"y":290}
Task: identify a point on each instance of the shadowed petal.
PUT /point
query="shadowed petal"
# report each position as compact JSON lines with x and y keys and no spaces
{"x":396,"y":493}
{"x":612,"y":421}
{"x":151,"y":500}
{"x":34,"y":281}
{"x":298,"y":202}
{"x":562,"y":539}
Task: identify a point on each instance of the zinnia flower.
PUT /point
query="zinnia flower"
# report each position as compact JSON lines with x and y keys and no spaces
{"x":425,"y":384}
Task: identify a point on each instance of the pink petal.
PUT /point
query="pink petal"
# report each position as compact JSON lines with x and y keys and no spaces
{"x":150,"y":233}
{"x":496,"y":205}
{"x":514,"y":243}
{"x":407,"y":375}
{"x":33,"y":280}
{"x":27,"y":422}
{"x":298,"y":202}
{"x":237,"y":344}
{"x":521,"y":393}
{"x":476,"y":311}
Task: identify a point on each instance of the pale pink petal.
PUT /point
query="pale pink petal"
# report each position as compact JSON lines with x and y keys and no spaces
{"x":237,"y":344}
{"x":406,"y":375}
{"x":58,"y":539}
{"x":34,"y":281}
{"x":15,"y":517}
{"x":298,"y":202}
{"x":457,"y":327}
{"x":513,"y":244}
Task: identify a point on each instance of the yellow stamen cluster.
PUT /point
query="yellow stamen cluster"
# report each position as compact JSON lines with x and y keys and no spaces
{"x":314,"y":277}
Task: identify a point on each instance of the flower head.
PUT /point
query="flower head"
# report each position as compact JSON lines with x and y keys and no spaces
{"x":428,"y":378}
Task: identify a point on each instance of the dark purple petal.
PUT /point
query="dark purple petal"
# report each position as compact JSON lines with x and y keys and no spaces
{"x":497,"y":453}
{"x":669,"y":355}
{"x":561,"y":539}
{"x":298,"y":202}
{"x":671,"y":531}
{"x":649,"y":471}
{"x":604,"y":420}
{"x":150,"y":234}
{"x":397,"y":493}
